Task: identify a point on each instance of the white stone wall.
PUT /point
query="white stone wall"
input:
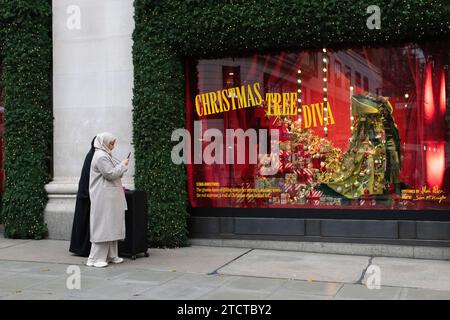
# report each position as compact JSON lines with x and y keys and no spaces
{"x":92,"y":93}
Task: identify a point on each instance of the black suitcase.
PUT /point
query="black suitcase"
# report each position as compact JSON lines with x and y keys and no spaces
{"x":135,"y":241}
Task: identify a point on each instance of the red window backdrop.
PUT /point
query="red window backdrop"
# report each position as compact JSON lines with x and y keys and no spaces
{"x":413,"y":77}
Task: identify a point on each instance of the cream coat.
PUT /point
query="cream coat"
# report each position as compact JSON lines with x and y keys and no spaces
{"x":107,"y":198}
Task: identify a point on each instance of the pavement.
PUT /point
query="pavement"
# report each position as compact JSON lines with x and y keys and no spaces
{"x":44,"y":269}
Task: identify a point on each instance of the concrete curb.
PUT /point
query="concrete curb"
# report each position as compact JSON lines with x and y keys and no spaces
{"x":374,"y":250}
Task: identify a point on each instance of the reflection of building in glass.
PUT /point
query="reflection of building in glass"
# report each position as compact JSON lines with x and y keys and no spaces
{"x":278,"y":73}
{"x":406,"y":75}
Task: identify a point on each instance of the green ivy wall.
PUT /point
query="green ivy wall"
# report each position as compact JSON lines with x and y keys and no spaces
{"x":167,"y":31}
{"x":25,"y":52}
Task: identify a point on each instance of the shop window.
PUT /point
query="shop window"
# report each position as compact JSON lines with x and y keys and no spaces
{"x":366,"y":147}
{"x":231,"y":76}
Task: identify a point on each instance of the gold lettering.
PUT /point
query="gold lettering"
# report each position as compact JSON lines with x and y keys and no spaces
{"x":257,"y":87}
{"x":293,"y":103}
{"x":251,"y":100}
{"x":205,"y":103}
{"x":276,"y":104}
{"x":242,"y":101}
{"x":225,"y":99}
{"x":198,"y":105}
{"x":306,"y":116}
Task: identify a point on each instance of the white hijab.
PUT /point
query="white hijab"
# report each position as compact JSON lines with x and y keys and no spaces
{"x":102,"y":141}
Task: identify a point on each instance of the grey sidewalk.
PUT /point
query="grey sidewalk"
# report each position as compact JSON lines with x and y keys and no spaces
{"x":37,"y":270}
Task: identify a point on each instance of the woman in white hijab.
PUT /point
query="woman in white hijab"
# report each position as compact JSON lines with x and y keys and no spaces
{"x":108,"y":204}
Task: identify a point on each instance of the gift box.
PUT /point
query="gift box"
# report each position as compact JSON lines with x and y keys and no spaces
{"x":260,"y":183}
{"x":314,"y":195}
{"x":290,"y":178}
{"x":284,"y":198}
{"x":367,"y":202}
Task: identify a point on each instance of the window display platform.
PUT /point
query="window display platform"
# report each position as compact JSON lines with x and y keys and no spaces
{"x":424,"y":228}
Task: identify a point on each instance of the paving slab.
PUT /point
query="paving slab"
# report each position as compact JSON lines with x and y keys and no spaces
{"x":298,"y":265}
{"x":263,"y":285}
{"x":227,"y":294}
{"x":6,"y":274}
{"x":201,"y":280}
{"x":283,"y":294}
{"x":54,"y":269}
{"x":59,"y":285}
{"x":34,"y":295}
{"x":17,"y":266}
{"x":312,"y":287}
{"x":423,"y":294}
{"x":198,"y":259}
{"x":114,"y":290}
{"x":41,"y":251}
{"x":22,"y":281}
{"x":415,"y":273}
{"x":361,"y":292}
{"x":111,"y":272}
{"x":5,"y":243}
{"x":147,"y":277}
{"x":175,"y":291}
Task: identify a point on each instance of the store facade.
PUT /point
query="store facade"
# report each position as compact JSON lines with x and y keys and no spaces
{"x":296,"y":128}
{"x":355,"y":157}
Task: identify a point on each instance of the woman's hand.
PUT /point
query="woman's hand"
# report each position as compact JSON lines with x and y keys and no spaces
{"x":125,"y":162}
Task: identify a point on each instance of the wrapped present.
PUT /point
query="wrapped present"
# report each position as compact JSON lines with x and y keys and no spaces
{"x":315,"y":202}
{"x":276,"y":200}
{"x":267,"y":162}
{"x":314,"y":195}
{"x":308,"y":174}
{"x":284,"y":198}
{"x":337,"y":202}
{"x":245,"y":187}
{"x":279,"y":182}
{"x":260,"y":183}
{"x":329,"y":201}
{"x":290,"y":178}
{"x":289,"y":187}
{"x":367,"y":202}
{"x":288,"y":167}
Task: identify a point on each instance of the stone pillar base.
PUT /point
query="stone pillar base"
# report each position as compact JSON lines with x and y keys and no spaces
{"x":58,"y":214}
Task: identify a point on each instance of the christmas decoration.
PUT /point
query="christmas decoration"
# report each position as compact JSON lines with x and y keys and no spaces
{"x":372,"y":161}
{"x":303,"y":158}
{"x":325,"y":93}
{"x":166,"y":32}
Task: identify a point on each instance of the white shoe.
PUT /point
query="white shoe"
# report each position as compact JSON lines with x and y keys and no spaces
{"x":100,"y":264}
{"x":90,"y":263}
{"x":116,"y":260}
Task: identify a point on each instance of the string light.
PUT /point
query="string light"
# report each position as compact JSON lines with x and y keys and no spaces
{"x":351,"y":114}
{"x":325,"y":97}
{"x":299,"y":96}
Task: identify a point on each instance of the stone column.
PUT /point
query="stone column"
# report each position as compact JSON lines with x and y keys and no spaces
{"x":92,"y":93}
